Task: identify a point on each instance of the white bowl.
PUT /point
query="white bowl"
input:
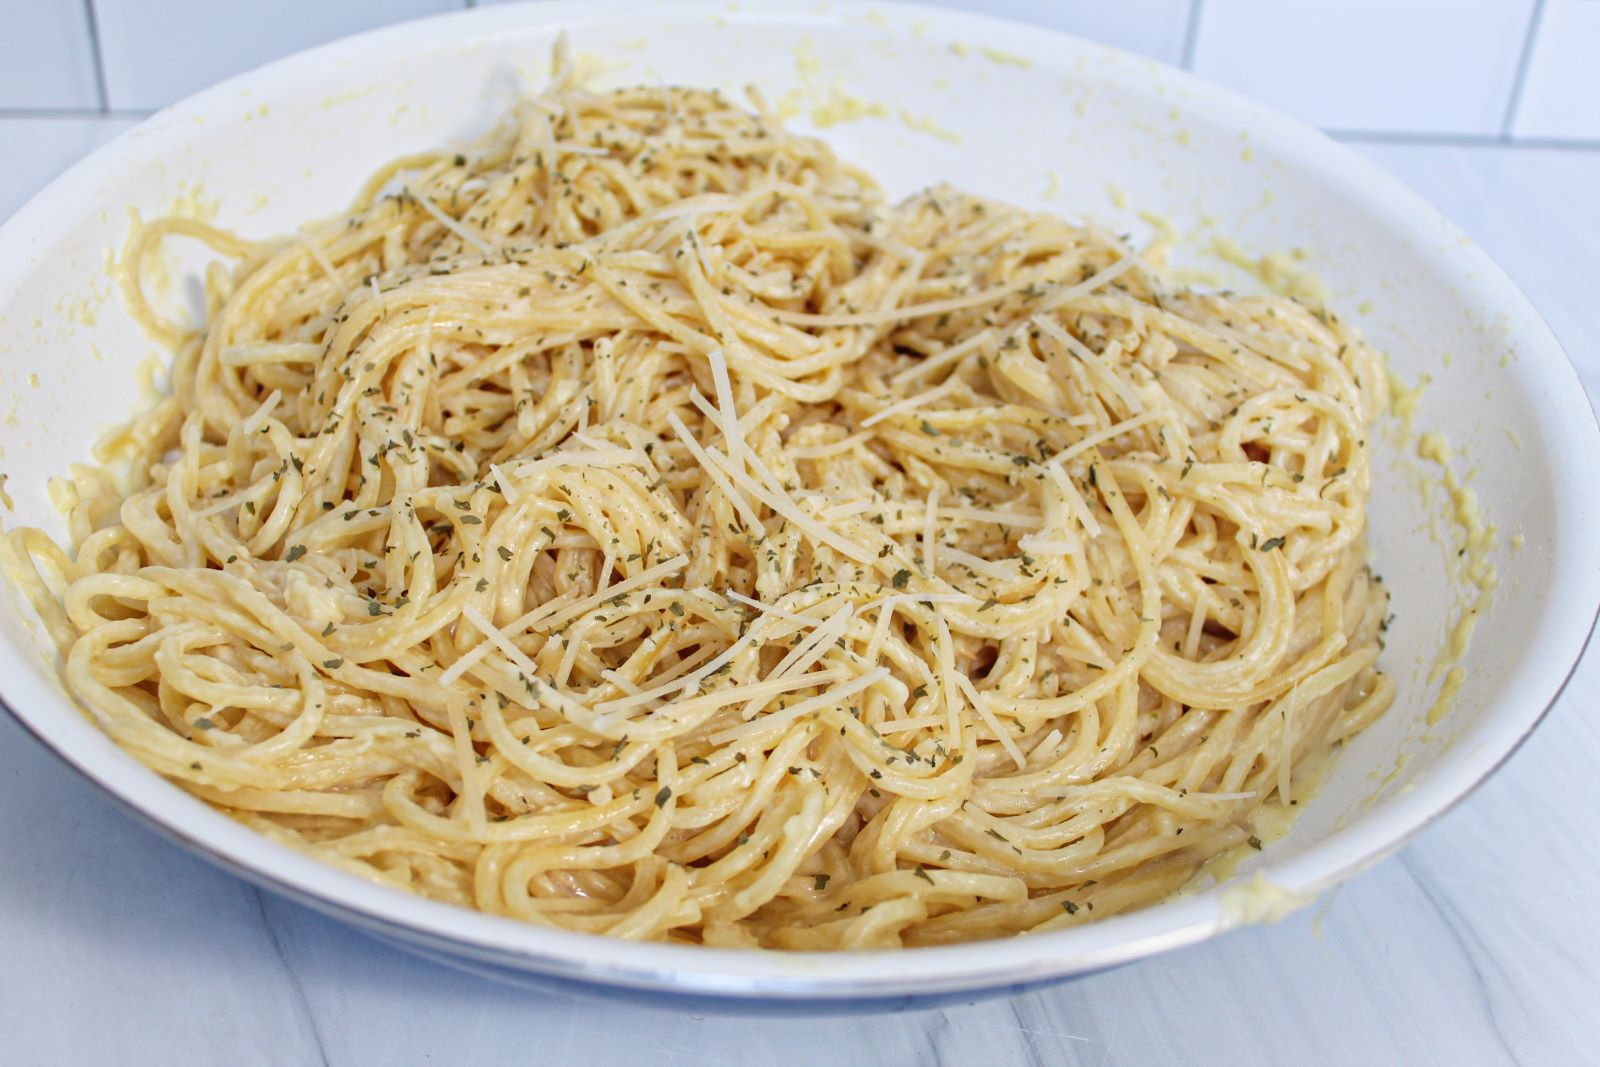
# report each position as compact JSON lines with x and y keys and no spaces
{"x":1033,"y":117}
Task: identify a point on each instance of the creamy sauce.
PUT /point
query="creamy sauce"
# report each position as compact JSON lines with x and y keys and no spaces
{"x":827,"y":103}
{"x":929,"y":125}
{"x":1281,"y":272}
{"x":1004,"y":59}
{"x":1260,"y":901}
{"x":1403,"y":402}
{"x":1474,"y":575}
{"x":837,"y":105}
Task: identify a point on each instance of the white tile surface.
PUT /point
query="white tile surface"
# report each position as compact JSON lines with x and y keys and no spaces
{"x":1561,"y":97}
{"x":1441,"y":66}
{"x":157,"y":51}
{"x":1476,"y":945}
{"x":35,"y":150}
{"x":45,"y":55}
{"x":1152,"y":27}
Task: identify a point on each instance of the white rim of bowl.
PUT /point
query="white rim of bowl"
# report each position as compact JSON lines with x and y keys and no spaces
{"x":1563,"y":628}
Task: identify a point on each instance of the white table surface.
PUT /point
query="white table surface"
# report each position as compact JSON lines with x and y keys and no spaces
{"x":1477,"y":944}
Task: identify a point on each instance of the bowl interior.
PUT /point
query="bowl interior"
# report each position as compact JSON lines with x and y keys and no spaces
{"x":914,"y":96}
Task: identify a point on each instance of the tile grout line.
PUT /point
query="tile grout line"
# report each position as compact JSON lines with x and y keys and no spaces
{"x":99,"y":61}
{"x":1421,"y":139}
{"x":1191,"y":33}
{"x":1514,"y":102}
{"x":74,"y":113}
{"x":1414,"y":138}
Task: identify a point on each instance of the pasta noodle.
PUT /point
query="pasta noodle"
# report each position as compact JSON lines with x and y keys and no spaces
{"x":637,"y":525}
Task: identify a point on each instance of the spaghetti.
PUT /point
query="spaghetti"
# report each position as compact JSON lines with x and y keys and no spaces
{"x":641,"y":527}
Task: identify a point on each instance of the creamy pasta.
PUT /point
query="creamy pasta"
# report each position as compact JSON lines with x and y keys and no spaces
{"x":638,"y":525}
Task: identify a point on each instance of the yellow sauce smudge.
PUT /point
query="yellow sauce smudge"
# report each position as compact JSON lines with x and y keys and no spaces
{"x":1260,"y":901}
{"x":1447,"y":695}
{"x":926,"y":124}
{"x":807,"y":63}
{"x":831,"y":104}
{"x":1435,"y":447}
{"x":1400,"y":761}
{"x":840,"y":106}
{"x":1475,"y":575}
{"x":85,"y":309}
{"x":192,"y":202}
{"x":1280,"y":272}
{"x":1004,"y":59}
{"x":333,"y":100}
{"x":1403,"y":402}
